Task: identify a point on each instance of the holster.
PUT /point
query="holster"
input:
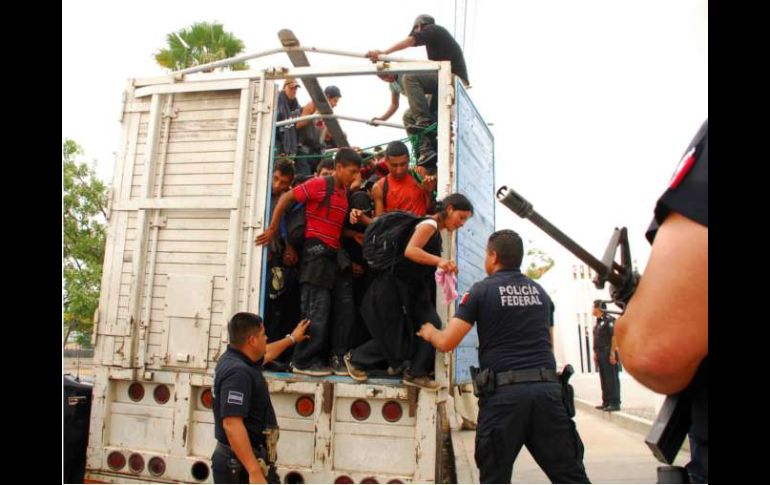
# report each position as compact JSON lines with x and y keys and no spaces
{"x":484,"y":382}
{"x":567,"y":392}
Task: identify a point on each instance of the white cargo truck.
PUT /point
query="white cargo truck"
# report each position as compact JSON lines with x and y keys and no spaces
{"x":189,"y":195}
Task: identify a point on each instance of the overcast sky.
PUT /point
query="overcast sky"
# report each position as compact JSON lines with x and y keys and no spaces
{"x":592,"y":102}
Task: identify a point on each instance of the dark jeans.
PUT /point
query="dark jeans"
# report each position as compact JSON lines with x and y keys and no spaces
{"x":533,"y":415}
{"x":227,"y":469}
{"x":315,"y":302}
{"x":610,"y":380}
{"x":394,"y":310}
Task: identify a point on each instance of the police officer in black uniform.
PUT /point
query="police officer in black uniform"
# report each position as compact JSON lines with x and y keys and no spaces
{"x":663,"y":334}
{"x":244,"y":421}
{"x":521,"y":400}
{"x":606,"y":357}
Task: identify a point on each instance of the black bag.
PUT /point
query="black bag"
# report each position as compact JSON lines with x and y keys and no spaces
{"x":385,"y":239}
{"x":296,"y":217}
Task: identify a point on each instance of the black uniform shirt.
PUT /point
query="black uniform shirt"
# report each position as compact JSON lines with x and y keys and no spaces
{"x":241,"y":390}
{"x":603,"y":332}
{"x":441,"y":46}
{"x":514,"y":315}
{"x":688,"y":195}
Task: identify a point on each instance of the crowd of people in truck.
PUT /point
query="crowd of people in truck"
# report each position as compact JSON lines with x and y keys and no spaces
{"x":363,"y":319}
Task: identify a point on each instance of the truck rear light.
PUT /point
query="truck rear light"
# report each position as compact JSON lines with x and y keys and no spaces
{"x":136,"y":392}
{"x":369,"y":480}
{"x":200,"y":471}
{"x":294,"y":477}
{"x":136,"y":463}
{"x":157,"y":466}
{"x":343,"y":479}
{"x":305,"y":406}
{"x":392,"y":411}
{"x":206,"y":398}
{"x":116,"y":460}
{"x":360,"y":409}
{"x":161,"y":394}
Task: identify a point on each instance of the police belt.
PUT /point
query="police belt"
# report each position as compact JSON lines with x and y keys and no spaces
{"x":527,"y":375}
{"x":259,"y":448}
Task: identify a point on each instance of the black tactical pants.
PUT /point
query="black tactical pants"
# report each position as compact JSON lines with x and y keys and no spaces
{"x":530,"y":414}
{"x":610,"y":380}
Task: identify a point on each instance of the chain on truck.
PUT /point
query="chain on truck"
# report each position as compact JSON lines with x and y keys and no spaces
{"x":190,"y":193}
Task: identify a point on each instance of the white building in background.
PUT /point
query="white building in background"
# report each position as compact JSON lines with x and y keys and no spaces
{"x":572,"y":290}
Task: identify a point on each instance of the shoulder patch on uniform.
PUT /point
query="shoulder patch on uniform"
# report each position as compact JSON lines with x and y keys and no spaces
{"x":682,"y":168}
{"x":235,"y":397}
{"x":465,"y":297}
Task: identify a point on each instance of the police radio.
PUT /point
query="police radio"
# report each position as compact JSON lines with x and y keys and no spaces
{"x":670,"y":427}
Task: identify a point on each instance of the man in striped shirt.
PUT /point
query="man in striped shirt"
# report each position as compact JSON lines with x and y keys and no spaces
{"x":325,"y":268}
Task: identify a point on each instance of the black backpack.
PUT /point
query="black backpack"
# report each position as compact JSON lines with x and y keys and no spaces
{"x":385,"y":239}
{"x":296,"y":218}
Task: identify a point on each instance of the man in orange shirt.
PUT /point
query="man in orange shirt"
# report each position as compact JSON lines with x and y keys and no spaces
{"x":399,"y":190}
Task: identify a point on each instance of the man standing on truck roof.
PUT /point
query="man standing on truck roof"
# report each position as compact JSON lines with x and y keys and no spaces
{"x":245,"y":426}
{"x":440,"y":46}
{"x":521,"y":396}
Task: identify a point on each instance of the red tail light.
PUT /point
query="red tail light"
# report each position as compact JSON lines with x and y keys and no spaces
{"x":136,"y":463}
{"x":136,"y":392}
{"x":369,"y":480}
{"x":343,"y":479}
{"x":305,"y":406}
{"x":161,"y":394}
{"x":157,"y":466}
{"x":116,"y":460}
{"x":206,"y":398}
{"x":392,"y":411}
{"x":360,"y":409}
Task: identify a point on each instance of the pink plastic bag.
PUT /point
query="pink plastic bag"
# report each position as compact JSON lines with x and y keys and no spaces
{"x":447,"y":282}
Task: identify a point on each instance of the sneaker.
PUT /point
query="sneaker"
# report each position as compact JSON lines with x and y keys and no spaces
{"x":356,"y":374}
{"x":315,"y":370}
{"x":428,"y":160}
{"x":423,"y":382}
{"x":338,"y":366}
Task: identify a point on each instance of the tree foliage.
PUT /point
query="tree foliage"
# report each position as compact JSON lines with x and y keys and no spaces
{"x":201,"y":43}
{"x":538,"y":262}
{"x":84,"y":217}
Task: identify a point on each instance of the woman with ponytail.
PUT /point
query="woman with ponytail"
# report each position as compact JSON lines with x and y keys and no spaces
{"x":398,"y":302}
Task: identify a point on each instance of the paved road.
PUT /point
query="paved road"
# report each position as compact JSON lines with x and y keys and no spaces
{"x":612,"y":454}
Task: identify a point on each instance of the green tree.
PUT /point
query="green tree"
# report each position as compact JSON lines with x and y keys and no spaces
{"x":538,"y":262}
{"x":201,"y":43}
{"x":84,"y":201}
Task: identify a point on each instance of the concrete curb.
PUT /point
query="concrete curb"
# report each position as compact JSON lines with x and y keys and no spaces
{"x":621,"y":419}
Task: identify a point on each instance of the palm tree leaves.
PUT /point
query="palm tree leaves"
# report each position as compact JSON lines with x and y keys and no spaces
{"x":201,"y":43}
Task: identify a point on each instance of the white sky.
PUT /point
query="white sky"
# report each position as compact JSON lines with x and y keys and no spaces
{"x":593,"y":102}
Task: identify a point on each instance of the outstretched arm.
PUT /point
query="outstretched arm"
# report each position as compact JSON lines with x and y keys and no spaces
{"x":663,"y":335}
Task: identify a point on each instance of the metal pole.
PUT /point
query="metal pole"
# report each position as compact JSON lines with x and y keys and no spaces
{"x":226,"y":62}
{"x":316,"y":116}
{"x":349,"y":54}
{"x":246,"y":57}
